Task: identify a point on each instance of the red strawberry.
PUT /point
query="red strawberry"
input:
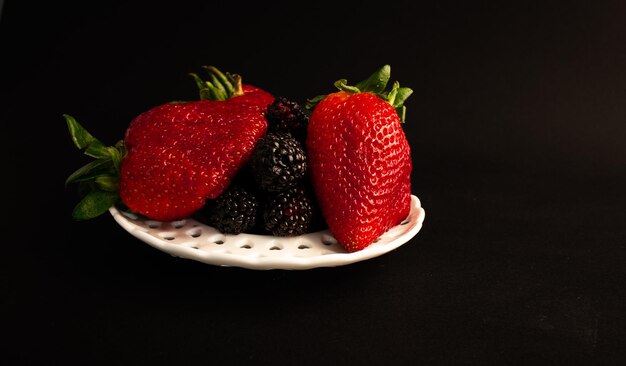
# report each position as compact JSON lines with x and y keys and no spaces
{"x":178,"y":155}
{"x":360,"y":159}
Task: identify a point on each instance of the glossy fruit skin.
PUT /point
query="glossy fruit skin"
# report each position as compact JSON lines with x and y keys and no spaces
{"x":181,"y":154}
{"x":278,"y":162}
{"x":285,"y":115}
{"x":289,"y":213}
{"x":360,"y":166}
{"x":253,"y":95}
{"x":234,"y":211}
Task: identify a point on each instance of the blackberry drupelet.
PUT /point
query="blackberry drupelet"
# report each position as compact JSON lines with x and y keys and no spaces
{"x":234,"y":211}
{"x":278,"y":162}
{"x":289,"y":213}
{"x":284,"y":115}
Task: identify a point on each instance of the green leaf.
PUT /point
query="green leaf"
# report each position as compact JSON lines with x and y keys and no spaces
{"x":216,"y":93}
{"x":217,"y":84}
{"x":377,"y":82}
{"x":91,"y":177}
{"x":97,"y":150}
{"x":117,"y":155}
{"x":220,"y":86}
{"x":82,"y":139}
{"x":121,"y":147}
{"x":226,"y":79}
{"x":391,"y":95}
{"x":401,"y":113}
{"x":94,"y":204}
{"x":107,"y":183}
{"x":401,"y":96}
{"x":205,"y":94}
{"x":342,"y":84}
{"x":98,"y":181}
{"x":311,"y":103}
{"x":199,"y":82}
{"x":203,"y":88}
{"x":89,"y":170}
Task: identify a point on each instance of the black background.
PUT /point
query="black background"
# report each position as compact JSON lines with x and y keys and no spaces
{"x":517,"y":128}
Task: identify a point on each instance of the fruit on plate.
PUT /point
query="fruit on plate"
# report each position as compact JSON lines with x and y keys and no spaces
{"x":277,"y":174}
{"x":285,"y":115}
{"x":234,"y":211}
{"x":359,"y":158}
{"x":289,"y":213}
{"x":174,"y":156}
{"x":188,"y":159}
{"x":278,"y":162}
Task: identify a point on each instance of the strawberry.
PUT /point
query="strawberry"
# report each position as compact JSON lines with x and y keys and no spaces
{"x":176,"y":156}
{"x":359,"y":159}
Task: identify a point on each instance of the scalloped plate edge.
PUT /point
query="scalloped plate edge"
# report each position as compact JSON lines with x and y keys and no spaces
{"x":416,"y":217}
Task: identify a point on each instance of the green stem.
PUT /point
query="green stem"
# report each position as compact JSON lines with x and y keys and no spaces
{"x":97,"y":180}
{"x":375,"y":84}
{"x":220,"y":86}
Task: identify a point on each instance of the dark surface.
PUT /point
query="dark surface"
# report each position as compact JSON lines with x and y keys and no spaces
{"x":517,"y":128}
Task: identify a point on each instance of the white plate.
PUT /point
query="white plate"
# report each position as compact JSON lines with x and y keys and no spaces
{"x":194,"y":240}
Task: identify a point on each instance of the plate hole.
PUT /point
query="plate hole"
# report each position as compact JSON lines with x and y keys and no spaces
{"x":194,"y":233}
{"x":170,"y":235}
{"x":219,"y":242}
{"x":246,"y":246}
{"x":303,"y":246}
{"x":275,"y":247}
{"x":328,"y":240}
{"x":178,"y":224}
{"x":404,"y":222}
{"x":153,"y":224}
{"x":194,"y":247}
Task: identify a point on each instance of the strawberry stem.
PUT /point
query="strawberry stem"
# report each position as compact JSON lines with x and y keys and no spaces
{"x":98,"y":180}
{"x":220,"y":86}
{"x":342,"y":84}
{"x":375,"y":84}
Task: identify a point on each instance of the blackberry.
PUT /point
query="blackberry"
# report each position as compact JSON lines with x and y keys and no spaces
{"x":233,"y":212}
{"x":289,"y":213}
{"x":278,"y":162}
{"x":284,"y":115}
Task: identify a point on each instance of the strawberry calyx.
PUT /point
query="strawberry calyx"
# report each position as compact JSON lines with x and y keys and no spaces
{"x":220,"y":86}
{"x":98,"y":181}
{"x":375,"y":84}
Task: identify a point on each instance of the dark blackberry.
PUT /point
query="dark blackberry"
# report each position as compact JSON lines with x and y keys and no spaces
{"x":289,"y":213}
{"x":232,"y":212}
{"x":284,"y":115}
{"x":278,"y":162}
